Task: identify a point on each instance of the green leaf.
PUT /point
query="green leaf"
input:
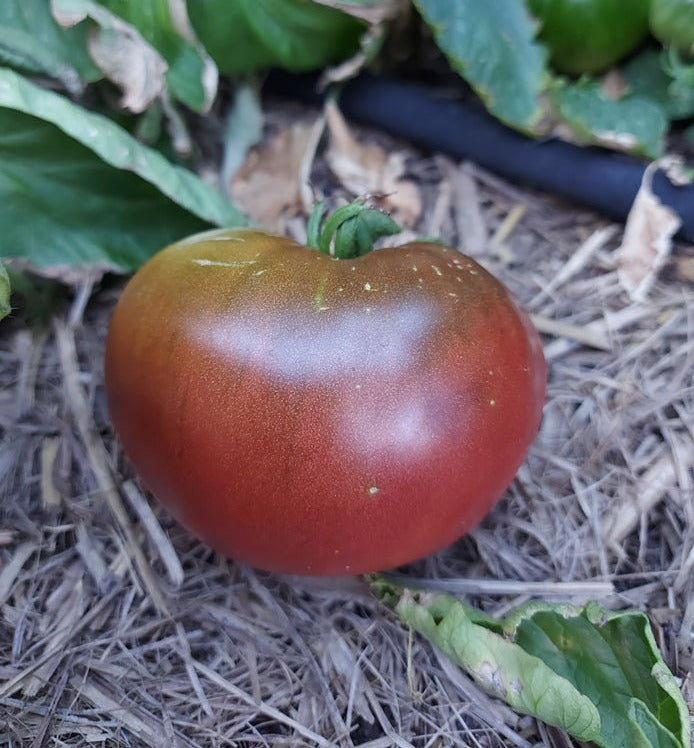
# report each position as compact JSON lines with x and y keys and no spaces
{"x":499,"y":666}
{"x":4,"y":292}
{"x":613,"y":659}
{"x":629,"y":124}
{"x":249,"y":35}
{"x":80,"y":194}
{"x":647,"y":78}
{"x":121,"y":52}
{"x":142,"y":48}
{"x":595,"y":673}
{"x":192,"y":76}
{"x":31,"y":40}
{"x":491,"y":44}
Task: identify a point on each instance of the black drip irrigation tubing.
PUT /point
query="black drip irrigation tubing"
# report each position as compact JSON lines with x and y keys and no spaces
{"x":604,"y":181}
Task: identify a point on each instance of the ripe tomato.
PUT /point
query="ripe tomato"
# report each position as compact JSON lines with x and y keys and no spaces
{"x":311,"y":415}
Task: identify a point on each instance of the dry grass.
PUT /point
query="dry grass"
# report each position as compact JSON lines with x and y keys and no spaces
{"x":118,"y":628}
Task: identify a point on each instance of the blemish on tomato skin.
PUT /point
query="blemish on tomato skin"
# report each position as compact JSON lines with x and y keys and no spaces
{"x":373,"y":490}
{"x":204,"y":262}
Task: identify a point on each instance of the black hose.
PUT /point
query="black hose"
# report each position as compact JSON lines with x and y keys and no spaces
{"x":602,"y":180}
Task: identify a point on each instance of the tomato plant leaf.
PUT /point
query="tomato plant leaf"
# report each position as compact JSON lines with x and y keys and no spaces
{"x":31,"y":40}
{"x":191,"y":75}
{"x":499,"y":666}
{"x":19,"y":49}
{"x":4,"y":292}
{"x":247,"y":35}
{"x":613,"y":659}
{"x":491,"y":44}
{"x":629,"y":124}
{"x":595,"y":673}
{"x":121,"y":52}
{"x":648,"y":78}
{"x":80,"y":191}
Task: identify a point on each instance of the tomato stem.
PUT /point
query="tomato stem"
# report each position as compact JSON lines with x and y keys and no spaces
{"x":314,"y":224}
{"x":350,"y":231}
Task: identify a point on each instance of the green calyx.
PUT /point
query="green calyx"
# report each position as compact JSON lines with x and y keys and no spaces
{"x":351,"y":231}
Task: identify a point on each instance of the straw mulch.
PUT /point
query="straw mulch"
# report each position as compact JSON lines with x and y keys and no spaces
{"x":119,"y":629}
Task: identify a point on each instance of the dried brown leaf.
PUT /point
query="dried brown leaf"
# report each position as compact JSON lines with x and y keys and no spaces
{"x":685,"y":268}
{"x":470,"y":222}
{"x":613,"y":85}
{"x":369,"y":43}
{"x":366,"y":169}
{"x":120,"y":51}
{"x":647,"y":239}
{"x":268,"y":185}
{"x":132,"y":64}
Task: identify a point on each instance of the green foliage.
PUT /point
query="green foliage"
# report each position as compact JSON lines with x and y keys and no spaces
{"x":191,"y":75}
{"x":248,"y":35}
{"x":81,"y":194}
{"x":595,"y":673}
{"x":31,"y":40}
{"x":672,"y":21}
{"x":662,"y":79}
{"x":630,"y":124}
{"x":491,"y":45}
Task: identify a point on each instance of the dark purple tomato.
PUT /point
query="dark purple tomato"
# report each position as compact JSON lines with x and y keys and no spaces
{"x":311,"y":415}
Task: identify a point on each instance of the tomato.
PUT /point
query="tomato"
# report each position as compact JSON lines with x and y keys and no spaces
{"x":587,"y":36}
{"x":672,"y":22}
{"x":313,"y":415}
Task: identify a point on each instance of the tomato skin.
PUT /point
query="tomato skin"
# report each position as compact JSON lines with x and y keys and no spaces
{"x":309,"y":415}
{"x":587,"y":36}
